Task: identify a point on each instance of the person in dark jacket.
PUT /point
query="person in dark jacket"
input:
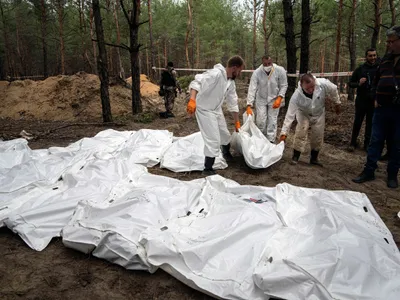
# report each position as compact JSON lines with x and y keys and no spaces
{"x":386,"y":120}
{"x":362,"y":80}
{"x":169,"y":83}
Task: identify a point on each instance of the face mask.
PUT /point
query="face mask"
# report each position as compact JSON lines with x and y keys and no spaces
{"x":268,"y":69}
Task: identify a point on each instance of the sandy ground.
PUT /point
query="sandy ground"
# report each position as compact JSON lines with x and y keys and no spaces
{"x":61,"y":273}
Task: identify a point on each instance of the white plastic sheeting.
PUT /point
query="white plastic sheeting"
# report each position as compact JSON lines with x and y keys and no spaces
{"x":258,"y":152}
{"x":13,"y":153}
{"x":187,"y":154}
{"x":228,"y":240}
{"x":244,"y":242}
{"x":111,"y":227}
{"x":41,"y":188}
{"x":333,"y":246}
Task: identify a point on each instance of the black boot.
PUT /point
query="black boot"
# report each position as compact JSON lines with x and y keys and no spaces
{"x":392,"y":181}
{"x":314,"y":158}
{"x":226,"y":153}
{"x":163,"y":115}
{"x":170,"y":115}
{"x":295,"y":157}
{"x":208,"y":166}
{"x":364,"y":177}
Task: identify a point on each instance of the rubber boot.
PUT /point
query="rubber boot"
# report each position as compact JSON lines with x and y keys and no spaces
{"x":314,"y":158}
{"x":226,"y":153}
{"x":295,"y":157}
{"x":208,"y":166}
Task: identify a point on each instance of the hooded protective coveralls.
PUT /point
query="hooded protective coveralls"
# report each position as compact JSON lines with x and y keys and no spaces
{"x":310,"y":112}
{"x":263,"y":90}
{"x":213,"y":87}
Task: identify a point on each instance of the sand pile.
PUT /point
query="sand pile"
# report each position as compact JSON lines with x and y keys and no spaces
{"x":147,"y":88}
{"x":75,"y":97}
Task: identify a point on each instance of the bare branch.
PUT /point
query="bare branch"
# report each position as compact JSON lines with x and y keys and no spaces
{"x":144,"y":22}
{"x":125,"y":12}
{"x":114,"y":45}
{"x":314,"y":40}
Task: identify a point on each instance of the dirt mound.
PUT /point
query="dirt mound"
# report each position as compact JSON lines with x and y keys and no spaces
{"x":75,"y":97}
{"x":147,"y":88}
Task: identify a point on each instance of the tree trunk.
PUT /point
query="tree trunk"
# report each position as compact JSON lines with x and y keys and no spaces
{"x":148,"y":67}
{"x":352,"y":45}
{"x":193,"y":37}
{"x":197,"y":49}
{"x":265,"y":29}
{"x":134,"y":23}
{"x":305,"y":36}
{"x":188,"y":29}
{"x":102,"y":64}
{"x":20,"y":53}
{"x":121,"y":71}
{"x":392,"y":12}
{"x":254,"y":34}
{"x":377,"y":22}
{"x":323,"y":46}
{"x":92,"y":34}
{"x":60,"y":13}
{"x":82,"y":32}
{"x":338,"y":40}
{"x":290,"y":45}
{"x":165,"y":52}
{"x":134,"y":34}
{"x":7,"y":43}
{"x":43,"y":23}
{"x":152,"y":48}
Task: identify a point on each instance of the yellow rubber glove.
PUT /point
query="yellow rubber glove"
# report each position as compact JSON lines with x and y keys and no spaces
{"x":191,"y":106}
{"x":237,"y":126}
{"x":277,"y":102}
{"x":282,"y":138}
{"x":249,"y":111}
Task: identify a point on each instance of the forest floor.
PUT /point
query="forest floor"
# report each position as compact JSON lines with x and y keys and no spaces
{"x":61,"y":273}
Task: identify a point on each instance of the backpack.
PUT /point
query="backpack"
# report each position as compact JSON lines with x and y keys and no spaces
{"x":167,"y":79}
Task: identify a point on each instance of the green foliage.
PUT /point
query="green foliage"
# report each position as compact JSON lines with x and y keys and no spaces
{"x":220,"y":29}
{"x":145,"y":117}
{"x":184,"y":81}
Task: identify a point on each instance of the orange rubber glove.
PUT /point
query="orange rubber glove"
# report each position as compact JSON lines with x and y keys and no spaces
{"x":282,"y":138}
{"x":249,"y":111}
{"x":191,"y":106}
{"x":277,"y":102}
{"x":237,"y":126}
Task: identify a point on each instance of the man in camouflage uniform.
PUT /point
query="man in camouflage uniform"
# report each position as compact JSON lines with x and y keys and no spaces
{"x":169,"y":84}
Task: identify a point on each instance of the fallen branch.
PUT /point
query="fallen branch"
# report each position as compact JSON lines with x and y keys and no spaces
{"x":80,"y":124}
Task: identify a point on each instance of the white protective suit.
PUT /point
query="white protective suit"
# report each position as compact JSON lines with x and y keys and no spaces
{"x":213,"y":87}
{"x":310,"y":112}
{"x":263,"y":90}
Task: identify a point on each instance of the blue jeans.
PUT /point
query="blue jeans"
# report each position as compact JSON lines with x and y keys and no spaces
{"x":385,"y":126}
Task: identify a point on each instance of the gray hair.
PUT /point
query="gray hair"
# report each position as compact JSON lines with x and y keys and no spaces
{"x":395,"y":30}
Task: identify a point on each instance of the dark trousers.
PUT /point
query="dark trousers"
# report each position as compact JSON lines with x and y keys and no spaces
{"x":385,"y":126}
{"x":169,"y":100}
{"x":362,"y":112}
